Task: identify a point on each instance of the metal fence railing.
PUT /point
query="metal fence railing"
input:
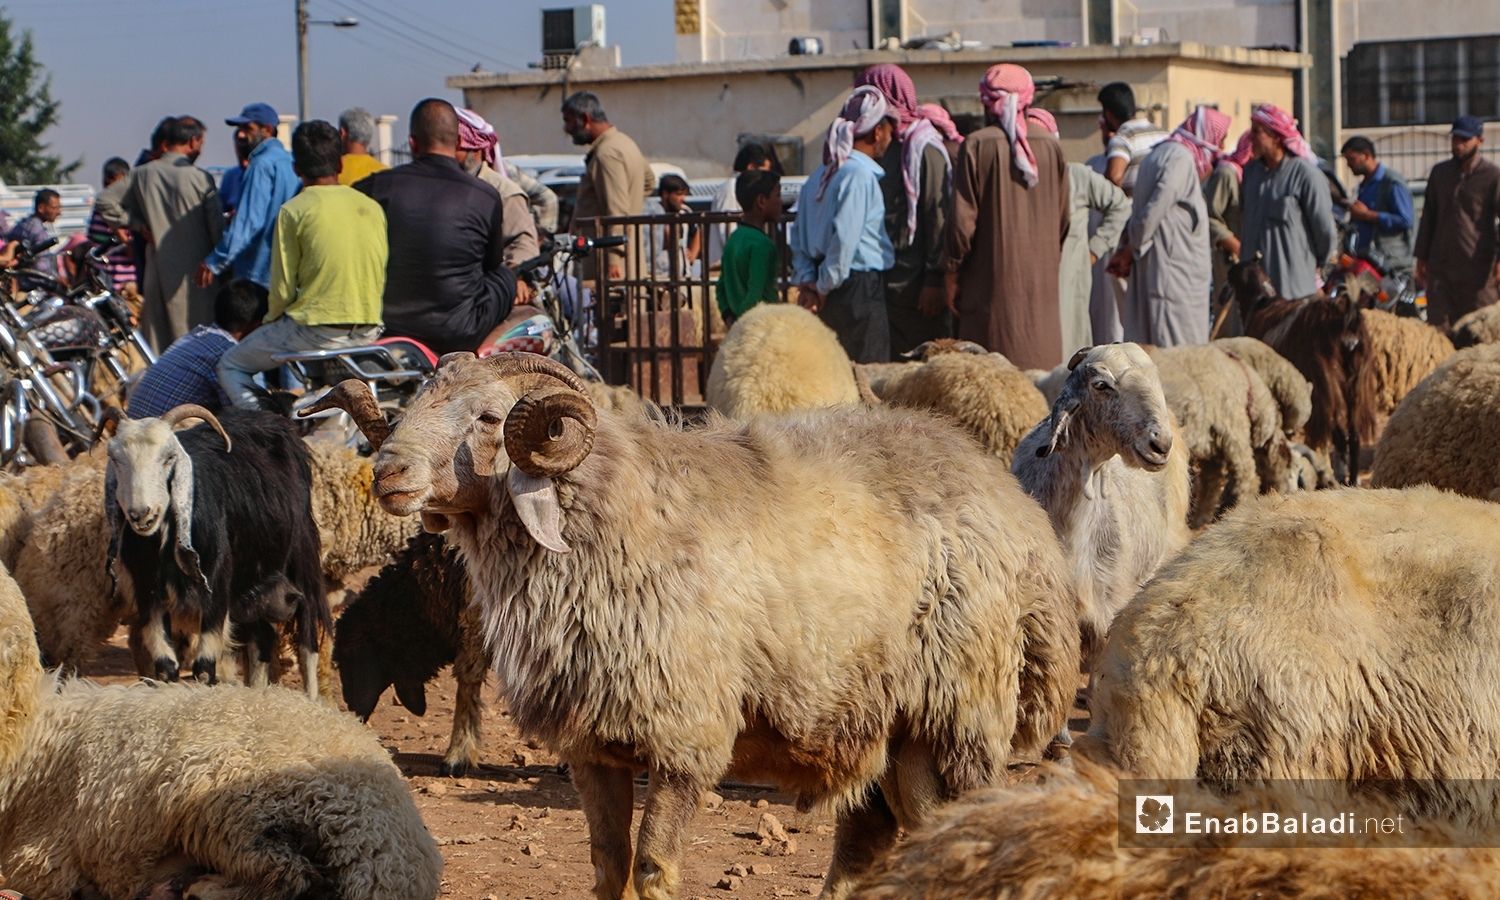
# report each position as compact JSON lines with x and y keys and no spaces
{"x":656,"y":317}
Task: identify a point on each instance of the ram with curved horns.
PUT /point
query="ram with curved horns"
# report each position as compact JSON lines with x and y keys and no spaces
{"x":212,"y":528}
{"x":858,"y":605}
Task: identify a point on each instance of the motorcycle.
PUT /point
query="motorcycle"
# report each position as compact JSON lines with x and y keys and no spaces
{"x":1371,"y":280}
{"x":395,"y":368}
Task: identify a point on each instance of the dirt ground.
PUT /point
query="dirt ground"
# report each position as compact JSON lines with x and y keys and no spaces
{"x":514,"y":829}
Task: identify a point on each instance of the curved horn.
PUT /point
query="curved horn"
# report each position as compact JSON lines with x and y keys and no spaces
{"x":505,"y":364}
{"x":179,"y":414}
{"x":1078,"y":356}
{"x":539,"y":436}
{"x":353,"y":397}
{"x":113,"y":416}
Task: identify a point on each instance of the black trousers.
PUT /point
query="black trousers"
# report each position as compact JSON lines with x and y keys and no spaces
{"x":856,"y":312}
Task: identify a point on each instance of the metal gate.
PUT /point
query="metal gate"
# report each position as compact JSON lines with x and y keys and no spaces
{"x":655,"y":315}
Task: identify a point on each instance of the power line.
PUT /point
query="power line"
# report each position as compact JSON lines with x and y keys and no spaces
{"x":480,"y":56}
{"x":423,"y":45}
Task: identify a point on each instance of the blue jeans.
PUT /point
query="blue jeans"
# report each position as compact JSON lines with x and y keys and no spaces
{"x":253,"y":354}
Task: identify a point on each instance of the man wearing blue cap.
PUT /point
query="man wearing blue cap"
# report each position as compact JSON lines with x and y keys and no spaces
{"x":269,"y":181}
{"x":1458,"y":242}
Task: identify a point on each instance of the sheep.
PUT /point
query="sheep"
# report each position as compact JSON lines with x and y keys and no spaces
{"x":1403,"y":351}
{"x":116,"y":791}
{"x":882,"y":377}
{"x":1329,"y":343}
{"x":1110,"y":469}
{"x":213,"y":535}
{"x":1339,"y":635}
{"x":63,"y":573}
{"x":1292,"y":392}
{"x":1060,"y":838}
{"x":1482,"y":326}
{"x":619,"y":397}
{"x":1229,"y":422}
{"x":1049,"y":381}
{"x":798,"y":599}
{"x":407,"y":623}
{"x":354,"y":532}
{"x":778,"y":357}
{"x":23,"y":495}
{"x":1446,"y":432}
{"x":984,"y":394}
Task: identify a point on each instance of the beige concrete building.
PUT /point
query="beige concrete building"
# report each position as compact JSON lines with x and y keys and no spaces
{"x":695,"y":114}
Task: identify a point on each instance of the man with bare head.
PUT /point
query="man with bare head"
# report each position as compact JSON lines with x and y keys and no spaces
{"x":446,"y":283}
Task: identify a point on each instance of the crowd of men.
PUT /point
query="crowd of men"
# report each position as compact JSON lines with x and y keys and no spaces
{"x":907,"y":231}
{"x":900,"y":239}
{"x":314,"y":248}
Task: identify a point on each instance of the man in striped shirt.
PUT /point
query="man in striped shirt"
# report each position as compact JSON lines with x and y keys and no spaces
{"x":1131,"y":136}
{"x":119,"y":261}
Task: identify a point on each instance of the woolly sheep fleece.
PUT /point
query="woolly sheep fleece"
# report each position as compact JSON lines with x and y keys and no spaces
{"x":983,"y":393}
{"x":101,"y":787}
{"x":355,"y":532}
{"x":777,"y":358}
{"x":1223,"y":667}
{"x":1403,"y":351}
{"x":1224,"y":413}
{"x":1446,"y":433}
{"x":1482,"y":326}
{"x":1292,"y":392}
{"x":1059,"y":838}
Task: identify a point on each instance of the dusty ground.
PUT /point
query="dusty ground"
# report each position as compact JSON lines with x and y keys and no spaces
{"x":514,"y":829}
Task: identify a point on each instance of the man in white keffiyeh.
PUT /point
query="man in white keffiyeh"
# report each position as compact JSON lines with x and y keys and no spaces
{"x":917,"y":188}
{"x":839,"y":243}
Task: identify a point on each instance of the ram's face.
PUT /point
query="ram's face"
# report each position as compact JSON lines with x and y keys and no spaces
{"x":448,"y":445}
{"x":144,"y":457}
{"x":514,"y":418}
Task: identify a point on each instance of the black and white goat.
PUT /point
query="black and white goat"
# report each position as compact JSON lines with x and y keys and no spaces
{"x":209,"y":532}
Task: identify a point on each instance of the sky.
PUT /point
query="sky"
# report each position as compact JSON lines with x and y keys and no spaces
{"x":118,"y":66}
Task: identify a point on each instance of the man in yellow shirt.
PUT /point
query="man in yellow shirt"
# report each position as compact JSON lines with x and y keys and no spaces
{"x":357,"y":129}
{"x":328,"y":261}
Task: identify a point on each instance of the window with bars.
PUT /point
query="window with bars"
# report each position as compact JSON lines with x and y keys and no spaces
{"x":1424,"y":82}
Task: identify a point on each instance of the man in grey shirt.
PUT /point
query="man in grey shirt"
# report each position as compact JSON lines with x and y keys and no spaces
{"x":1287,"y":209}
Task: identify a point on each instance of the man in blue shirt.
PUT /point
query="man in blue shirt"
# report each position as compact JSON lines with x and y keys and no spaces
{"x":839,"y":243}
{"x":1383,"y":209}
{"x":188,"y":371}
{"x":245,"y":248}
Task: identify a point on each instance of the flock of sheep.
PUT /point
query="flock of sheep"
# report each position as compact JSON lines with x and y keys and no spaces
{"x":872,"y":586}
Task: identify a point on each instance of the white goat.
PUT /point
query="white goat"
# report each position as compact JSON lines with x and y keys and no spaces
{"x":1112,"y":473}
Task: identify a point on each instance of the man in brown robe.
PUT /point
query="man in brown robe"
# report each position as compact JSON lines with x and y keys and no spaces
{"x":1458,"y":242}
{"x":1011,"y":209}
{"x":616,"y":179}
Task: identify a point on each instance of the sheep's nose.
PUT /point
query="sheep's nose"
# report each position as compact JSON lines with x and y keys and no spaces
{"x":386,"y":470}
{"x":1160,"y":443}
{"x":138,"y":514}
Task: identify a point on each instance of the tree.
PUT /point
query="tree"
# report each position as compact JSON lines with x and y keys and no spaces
{"x":26,"y":110}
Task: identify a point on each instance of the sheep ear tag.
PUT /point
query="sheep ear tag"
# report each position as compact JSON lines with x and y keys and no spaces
{"x":536,"y":503}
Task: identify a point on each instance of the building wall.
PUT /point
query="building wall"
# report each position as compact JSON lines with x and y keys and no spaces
{"x":692,"y":116}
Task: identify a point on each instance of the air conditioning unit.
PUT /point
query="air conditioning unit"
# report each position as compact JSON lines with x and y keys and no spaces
{"x":565,"y":30}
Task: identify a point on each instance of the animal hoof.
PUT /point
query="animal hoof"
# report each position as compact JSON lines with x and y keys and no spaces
{"x":166,"y":669}
{"x":206,"y":670}
{"x":454,"y":769}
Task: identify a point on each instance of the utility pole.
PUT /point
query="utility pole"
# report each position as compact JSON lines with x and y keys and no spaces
{"x":301,"y":60}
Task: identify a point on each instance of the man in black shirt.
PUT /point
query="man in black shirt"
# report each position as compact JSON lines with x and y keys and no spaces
{"x":445,"y":284}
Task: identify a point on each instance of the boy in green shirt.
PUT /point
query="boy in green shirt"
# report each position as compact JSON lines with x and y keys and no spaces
{"x":328,"y":257}
{"x":748,"y":264}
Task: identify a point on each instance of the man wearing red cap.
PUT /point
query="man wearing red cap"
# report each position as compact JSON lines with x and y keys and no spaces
{"x":1011,"y":211}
